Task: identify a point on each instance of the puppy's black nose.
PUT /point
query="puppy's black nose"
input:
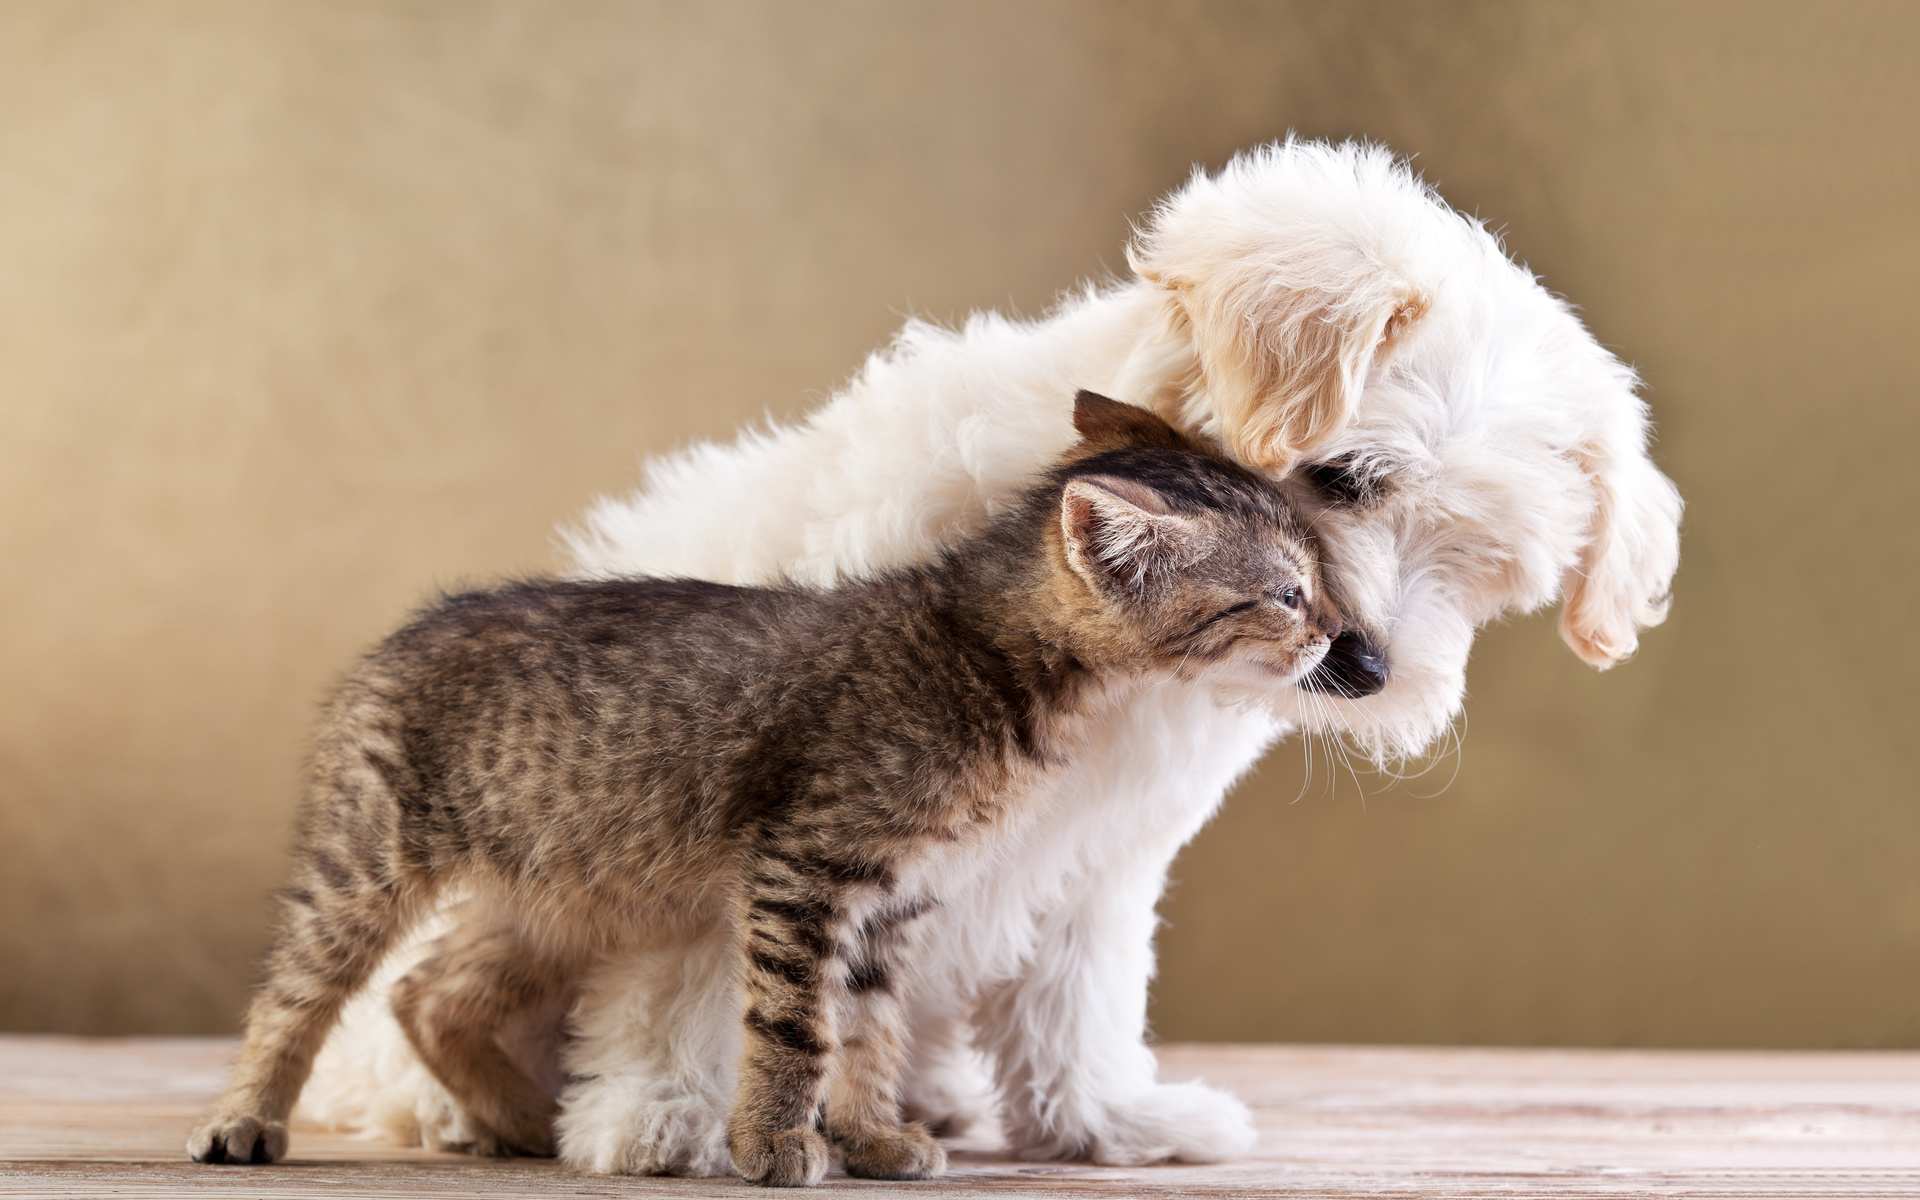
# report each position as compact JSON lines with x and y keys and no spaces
{"x":1353,"y":667}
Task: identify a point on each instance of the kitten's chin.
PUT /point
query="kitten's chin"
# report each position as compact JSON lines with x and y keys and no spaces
{"x":1302,"y":665}
{"x":1253,"y":678}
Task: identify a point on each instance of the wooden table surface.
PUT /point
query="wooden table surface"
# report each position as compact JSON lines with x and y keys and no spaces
{"x":108,"y":1117}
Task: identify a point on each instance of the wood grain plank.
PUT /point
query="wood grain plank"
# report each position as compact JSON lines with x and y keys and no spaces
{"x":108,"y":1117}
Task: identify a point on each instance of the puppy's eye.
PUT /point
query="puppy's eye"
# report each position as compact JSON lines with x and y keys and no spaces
{"x":1338,"y":481}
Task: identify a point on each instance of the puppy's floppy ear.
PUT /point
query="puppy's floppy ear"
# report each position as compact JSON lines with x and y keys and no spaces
{"x":1288,"y":307}
{"x":1633,"y":546}
{"x":1120,"y":531}
{"x":1104,"y":424}
{"x":1285,"y":365}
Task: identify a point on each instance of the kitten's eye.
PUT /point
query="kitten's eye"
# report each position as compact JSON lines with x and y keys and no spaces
{"x":1340,"y":482}
{"x":1290,"y":597}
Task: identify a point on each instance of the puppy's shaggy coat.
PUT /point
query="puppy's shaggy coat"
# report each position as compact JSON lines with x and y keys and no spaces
{"x":1461,"y":448}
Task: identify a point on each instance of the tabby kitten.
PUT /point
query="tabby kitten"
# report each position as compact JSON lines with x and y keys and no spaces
{"x":600,"y":764}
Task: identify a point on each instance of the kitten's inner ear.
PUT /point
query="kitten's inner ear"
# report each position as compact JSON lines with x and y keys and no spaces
{"x":1107,"y":424}
{"x":1120,"y":531}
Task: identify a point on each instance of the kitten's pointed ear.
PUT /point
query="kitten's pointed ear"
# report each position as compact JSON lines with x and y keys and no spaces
{"x":1120,"y":531}
{"x":1106,"y":424}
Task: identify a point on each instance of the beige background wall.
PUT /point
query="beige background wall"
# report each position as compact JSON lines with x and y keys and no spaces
{"x":308,"y":308}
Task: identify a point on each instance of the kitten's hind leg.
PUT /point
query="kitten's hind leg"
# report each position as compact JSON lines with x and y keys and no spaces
{"x":454,"y":1006}
{"x":339,"y":918}
{"x":863,"y":1092}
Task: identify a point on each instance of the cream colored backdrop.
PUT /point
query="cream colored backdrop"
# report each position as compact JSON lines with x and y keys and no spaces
{"x":307,"y":309}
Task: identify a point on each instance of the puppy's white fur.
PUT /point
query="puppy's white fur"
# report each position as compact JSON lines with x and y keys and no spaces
{"x":1309,"y":303}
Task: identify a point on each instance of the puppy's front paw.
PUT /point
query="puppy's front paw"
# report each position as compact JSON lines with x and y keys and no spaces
{"x":1189,"y":1122}
{"x":950,"y":1095}
{"x":906,"y":1153}
{"x":238,"y":1138}
{"x":789,"y":1158}
{"x":1186,"y":1121}
{"x":611,"y":1129}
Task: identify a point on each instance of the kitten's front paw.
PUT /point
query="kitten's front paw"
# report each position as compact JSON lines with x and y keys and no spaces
{"x":906,"y":1153}
{"x":238,"y":1138}
{"x":789,"y":1158}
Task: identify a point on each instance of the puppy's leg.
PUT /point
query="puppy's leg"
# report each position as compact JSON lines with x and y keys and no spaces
{"x":456,"y":1005}
{"x":1075,"y":1074}
{"x":1067,"y":1032}
{"x":947,"y":1086}
{"x":863,"y":1092}
{"x":651,"y":1069}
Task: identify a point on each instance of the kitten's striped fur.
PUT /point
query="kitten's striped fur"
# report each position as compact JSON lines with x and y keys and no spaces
{"x":599,"y":764}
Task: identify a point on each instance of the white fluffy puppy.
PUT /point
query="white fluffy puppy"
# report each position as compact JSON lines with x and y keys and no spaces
{"x":1461,"y":447}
